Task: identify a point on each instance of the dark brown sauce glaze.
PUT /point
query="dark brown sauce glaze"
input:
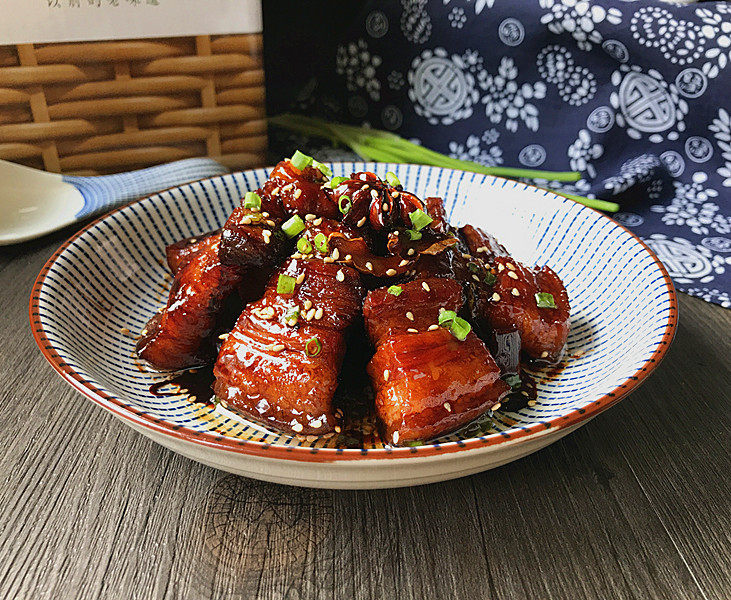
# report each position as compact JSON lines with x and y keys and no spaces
{"x":196,"y":383}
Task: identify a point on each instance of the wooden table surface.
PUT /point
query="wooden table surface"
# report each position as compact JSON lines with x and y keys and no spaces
{"x":636,"y":504}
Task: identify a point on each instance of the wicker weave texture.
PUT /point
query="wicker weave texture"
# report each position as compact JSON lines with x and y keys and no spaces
{"x":101,"y":107}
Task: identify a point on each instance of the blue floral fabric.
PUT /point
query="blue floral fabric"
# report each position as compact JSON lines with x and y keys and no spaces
{"x":635,"y":95}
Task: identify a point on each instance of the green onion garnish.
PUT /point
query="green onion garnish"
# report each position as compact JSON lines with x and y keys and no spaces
{"x":313,"y":347}
{"x":413,"y":443}
{"x":252,"y":200}
{"x":490,"y":278}
{"x":395,"y":290}
{"x":513,"y":381}
{"x":392,"y":180}
{"x":285,"y":284}
{"x":324,"y":169}
{"x":344,"y":208}
{"x":419,"y":219}
{"x":321,"y":242}
{"x":447,"y":316}
{"x":545,"y":300}
{"x":413,"y":235}
{"x":335,"y":182}
{"x":304,"y":246}
{"x":300,"y":160}
{"x":293,"y":226}
{"x":292,"y":315}
{"x":473,"y":267}
{"x":458,"y":327}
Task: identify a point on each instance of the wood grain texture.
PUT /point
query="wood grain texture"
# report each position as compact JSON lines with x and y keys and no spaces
{"x":634,"y":505}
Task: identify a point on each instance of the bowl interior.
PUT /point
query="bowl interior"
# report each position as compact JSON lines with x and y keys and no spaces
{"x":101,"y":290}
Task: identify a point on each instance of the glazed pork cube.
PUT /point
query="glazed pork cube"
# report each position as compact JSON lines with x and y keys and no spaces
{"x":180,"y":253}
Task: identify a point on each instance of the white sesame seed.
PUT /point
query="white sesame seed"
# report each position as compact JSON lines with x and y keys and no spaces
{"x":410,"y":316}
{"x":310,"y":217}
{"x":316,"y":424}
{"x":466,"y":256}
{"x":496,"y":407}
{"x":336,"y":254}
{"x":411,"y":252}
{"x":297,"y":193}
{"x":340,"y":276}
{"x":308,"y":304}
{"x":369,"y":266}
{"x":361,"y":222}
{"x":348,"y":258}
{"x":500,"y":267}
{"x":475,"y":277}
{"x":270,"y":223}
{"x":246,"y":221}
{"x":374,"y":194}
{"x":318,"y":313}
{"x":277,"y":347}
{"x":412,"y":330}
{"x":265,"y":214}
{"x":512,"y":274}
{"x":391,"y":272}
{"x":192,"y":398}
{"x":433,"y":327}
{"x":386,"y":375}
{"x":515,"y":292}
{"x":275,"y":191}
{"x":144,"y":331}
{"x":441,"y":309}
{"x":317,"y":221}
{"x":385,"y":206}
{"x":328,"y":259}
{"x":395,"y":194}
{"x":296,"y":255}
{"x":403,"y":263}
{"x":426,"y":287}
{"x":310,"y":314}
{"x":532,"y":403}
{"x":448,"y":406}
{"x":297,"y":427}
{"x":223,"y":336}
{"x":544,"y":354}
{"x":524,"y":393}
{"x":338,"y":429}
{"x":395,"y":437}
{"x":510,"y":266}
{"x":300,"y":278}
{"x":482,"y":249}
{"x":496,"y":297}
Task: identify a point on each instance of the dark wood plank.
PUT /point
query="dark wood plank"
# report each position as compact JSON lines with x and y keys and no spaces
{"x":633,"y":505}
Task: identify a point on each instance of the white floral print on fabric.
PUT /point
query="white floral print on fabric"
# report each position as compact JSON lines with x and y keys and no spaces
{"x":685,"y":261}
{"x":479,"y":5}
{"x":579,"y":19}
{"x":576,"y":84}
{"x":415,"y":21}
{"x":442,"y":88}
{"x":711,"y":295}
{"x":582,"y":152}
{"x":721,"y":128}
{"x":481,"y":149}
{"x":647,"y":104}
{"x":680,"y":41}
{"x":640,"y":169}
{"x":691,"y":208}
{"x":717,"y":26}
{"x":356,"y":63}
{"x":506,"y":99}
{"x":457,"y":18}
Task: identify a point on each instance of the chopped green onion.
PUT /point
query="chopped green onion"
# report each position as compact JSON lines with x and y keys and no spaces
{"x":321,"y":242}
{"x":395,"y":290}
{"x":344,"y":208}
{"x":490,"y":278}
{"x":392,"y":180}
{"x":335,"y":182}
{"x":460,"y":328}
{"x":419,"y":219}
{"x":252,"y":200}
{"x":293,"y":226}
{"x":292,"y":315}
{"x":300,"y":160}
{"x":313,"y":347}
{"x":513,"y":381}
{"x":447,"y":316}
{"x":413,"y":235}
{"x":285,"y":284}
{"x":304,"y":246}
{"x":324,"y":169}
{"x":473,"y":267}
{"x":545,"y":300}
{"x":413,"y":443}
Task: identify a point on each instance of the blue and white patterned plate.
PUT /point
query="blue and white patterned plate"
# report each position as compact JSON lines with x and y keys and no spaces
{"x":102,"y":286}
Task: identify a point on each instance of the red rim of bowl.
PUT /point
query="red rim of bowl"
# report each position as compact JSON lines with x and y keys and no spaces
{"x":307,"y":454}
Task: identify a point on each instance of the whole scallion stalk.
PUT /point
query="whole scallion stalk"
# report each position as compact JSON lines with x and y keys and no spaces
{"x":384,"y":146}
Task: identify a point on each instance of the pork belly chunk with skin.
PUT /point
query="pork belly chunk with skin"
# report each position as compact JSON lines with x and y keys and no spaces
{"x":280,"y":364}
{"x":180,"y":253}
{"x":427,"y":381}
{"x":178,"y":337}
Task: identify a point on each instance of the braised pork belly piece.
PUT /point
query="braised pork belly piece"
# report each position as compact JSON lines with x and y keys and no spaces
{"x":179,"y":336}
{"x":180,"y":253}
{"x":280,"y":364}
{"x":431,"y":374}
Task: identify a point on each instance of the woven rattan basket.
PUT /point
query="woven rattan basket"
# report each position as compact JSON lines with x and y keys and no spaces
{"x":101,"y":107}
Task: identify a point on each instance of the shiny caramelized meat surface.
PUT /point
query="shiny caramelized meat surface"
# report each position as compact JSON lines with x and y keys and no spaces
{"x":179,"y":336}
{"x":280,"y":363}
{"x":180,"y":253}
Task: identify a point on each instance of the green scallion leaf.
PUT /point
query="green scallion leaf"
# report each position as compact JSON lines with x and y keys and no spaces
{"x":545,"y":300}
{"x":413,"y":443}
{"x":324,"y":169}
{"x":419,"y":219}
{"x":321,"y":243}
{"x":447,"y":316}
{"x":392,"y":180}
{"x":395,"y":290}
{"x":252,"y":200}
{"x":300,"y":160}
{"x":344,"y":204}
{"x":460,"y":328}
{"x":335,"y":182}
{"x":513,"y":381}
{"x":304,"y":246}
{"x":313,"y":347}
{"x":413,"y":235}
{"x":285,"y":284}
{"x":293,"y":226}
{"x":490,"y":278}
{"x":473,"y":267}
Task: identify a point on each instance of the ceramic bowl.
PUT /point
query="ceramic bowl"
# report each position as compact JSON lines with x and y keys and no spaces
{"x":102,"y":286}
